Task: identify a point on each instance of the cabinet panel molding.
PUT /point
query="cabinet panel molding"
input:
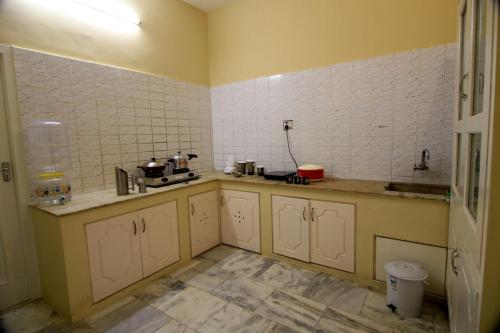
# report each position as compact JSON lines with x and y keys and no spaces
{"x":240,"y":219}
{"x":291,"y":227}
{"x":204,"y":222}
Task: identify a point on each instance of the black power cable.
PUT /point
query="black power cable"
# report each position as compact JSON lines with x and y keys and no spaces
{"x":289,"y":150}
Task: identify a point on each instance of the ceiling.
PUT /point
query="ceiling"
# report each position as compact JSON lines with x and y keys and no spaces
{"x":207,"y":5}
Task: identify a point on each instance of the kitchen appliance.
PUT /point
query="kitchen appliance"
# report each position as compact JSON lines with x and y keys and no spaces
{"x":122,"y":181}
{"x":168,"y":179}
{"x":180,"y":163}
{"x":312,"y":171}
{"x":278,"y":175}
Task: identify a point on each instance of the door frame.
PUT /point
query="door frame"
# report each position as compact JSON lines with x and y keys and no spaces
{"x":21,"y":183}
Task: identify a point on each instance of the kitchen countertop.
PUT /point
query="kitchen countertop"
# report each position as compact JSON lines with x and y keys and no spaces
{"x":86,"y":201}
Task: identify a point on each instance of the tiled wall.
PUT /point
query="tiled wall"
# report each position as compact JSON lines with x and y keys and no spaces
{"x":114,"y":116}
{"x":366,"y":119}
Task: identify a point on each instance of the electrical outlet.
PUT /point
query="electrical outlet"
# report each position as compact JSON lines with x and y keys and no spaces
{"x":287,"y":123}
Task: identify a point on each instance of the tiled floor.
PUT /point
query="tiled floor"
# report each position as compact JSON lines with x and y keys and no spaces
{"x":231,"y":290}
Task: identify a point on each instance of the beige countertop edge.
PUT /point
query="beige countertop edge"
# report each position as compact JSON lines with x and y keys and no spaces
{"x":87,"y":201}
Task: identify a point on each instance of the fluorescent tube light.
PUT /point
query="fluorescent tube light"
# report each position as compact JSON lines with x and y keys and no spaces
{"x":112,"y":8}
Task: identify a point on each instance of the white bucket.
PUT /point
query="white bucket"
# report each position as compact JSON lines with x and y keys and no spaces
{"x":405,"y":287}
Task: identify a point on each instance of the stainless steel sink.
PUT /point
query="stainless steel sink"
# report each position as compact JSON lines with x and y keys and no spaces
{"x":418,"y":188}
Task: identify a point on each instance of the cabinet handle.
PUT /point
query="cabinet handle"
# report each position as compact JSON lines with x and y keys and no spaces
{"x":304,"y":213}
{"x":135,"y":228}
{"x":192,"y":209}
{"x":143,"y":225}
{"x":312,"y":213}
{"x":454,"y":255}
{"x":463,"y":96}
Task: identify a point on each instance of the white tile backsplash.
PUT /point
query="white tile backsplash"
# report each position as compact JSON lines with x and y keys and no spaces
{"x":367,"y":119}
{"x":114,"y":116}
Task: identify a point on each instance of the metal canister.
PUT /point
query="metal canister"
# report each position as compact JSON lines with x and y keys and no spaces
{"x":242,"y":167}
{"x":260,"y":170}
{"x":250,"y":167}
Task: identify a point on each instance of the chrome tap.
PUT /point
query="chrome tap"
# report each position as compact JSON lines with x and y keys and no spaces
{"x":422,"y":165}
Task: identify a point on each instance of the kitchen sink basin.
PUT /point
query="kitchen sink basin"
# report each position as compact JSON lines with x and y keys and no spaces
{"x":418,"y":188}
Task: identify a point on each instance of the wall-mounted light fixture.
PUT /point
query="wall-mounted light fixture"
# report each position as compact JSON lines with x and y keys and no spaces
{"x":106,"y":15}
{"x":112,"y":8}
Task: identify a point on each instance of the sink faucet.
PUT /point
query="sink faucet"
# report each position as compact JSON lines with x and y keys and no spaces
{"x":422,"y":165}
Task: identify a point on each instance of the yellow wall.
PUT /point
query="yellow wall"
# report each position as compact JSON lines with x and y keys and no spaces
{"x":172,"y":40}
{"x":253,"y":38}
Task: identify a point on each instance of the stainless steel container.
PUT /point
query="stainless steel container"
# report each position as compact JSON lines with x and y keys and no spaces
{"x":250,"y":167}
{"x":242,"y":167}
{"x":122,"y":180}
{"x":260,"y":170}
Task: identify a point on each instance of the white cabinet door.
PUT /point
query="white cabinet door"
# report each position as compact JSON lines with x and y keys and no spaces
{"x":114,"y":254}
{"x":291,"y":227}
{"x":204,"y":222}
{"x":159,"y":237}
{"x":240,"y":220}
{"x":332,"y":234}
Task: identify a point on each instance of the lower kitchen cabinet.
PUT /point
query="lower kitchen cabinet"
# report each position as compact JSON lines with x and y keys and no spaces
{"x":314,"y":231}
{"x":204,"y":222}
{"x":240,"y":219}
{"x":159,"y":237}
{"x":126,"y":248}
{"x":333,"y":234}
{"x":291,"y":227}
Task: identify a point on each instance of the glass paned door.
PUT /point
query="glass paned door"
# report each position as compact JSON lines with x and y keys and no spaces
{"x":464,"y":58}
{"x":474,"y":172}
{"x":479,"y":56}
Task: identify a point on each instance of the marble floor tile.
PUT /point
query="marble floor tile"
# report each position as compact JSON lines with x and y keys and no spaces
{"x":296,"y":312}
{"x":30,"y":317}
{"x":341,"y":294}
{"x":161,"y":290}
{"x":173,"y":326}
{"x":243,"y":292}
{"x":246,"y":264}
{"x":234,"y":319}
{"x":192,"y":307}
{"x":220,"y":253}
{"x":334,"y":321}
{"x":80,"y":327}
{"x":288,"y":278}
{"x":375,"y":310}
{"x":206,"y":282}
{"x":136,"y":316}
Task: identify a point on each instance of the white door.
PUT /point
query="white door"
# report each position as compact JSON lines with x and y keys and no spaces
{"x":204,"y":222}
{"x":470,"y":153}
{"x":240,"y":219}
{"x":114,"y":254}
{"x":159,"y":237}
{"x":291,"y":227}
{"x":13,"y":279}
{"x":332,"y":234}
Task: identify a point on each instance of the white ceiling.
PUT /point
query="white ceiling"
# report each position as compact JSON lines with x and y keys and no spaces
{"x":207,"y":5}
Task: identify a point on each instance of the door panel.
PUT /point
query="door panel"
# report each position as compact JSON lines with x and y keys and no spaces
{"x":204,"y":222}
{"x":13,"y":277}
{"x":114,"y":254}
{"x":240,"y":220}
{"x":332,"y":234}
{"x":471,"y":148}
{"x":291,"y":227}
{"x":159,"y":237}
